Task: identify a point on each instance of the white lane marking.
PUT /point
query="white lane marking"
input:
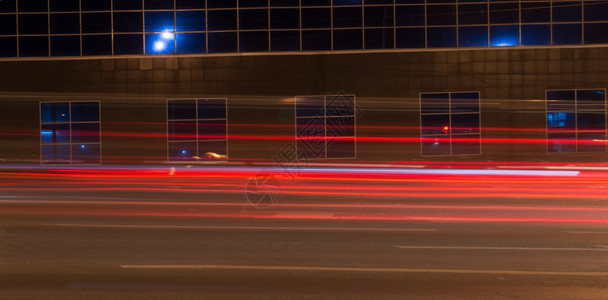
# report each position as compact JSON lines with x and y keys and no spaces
{"x":127,"y":226}
{"x":603,"y":248}
{"x":587,"y":232}
{"x":349,"y":269}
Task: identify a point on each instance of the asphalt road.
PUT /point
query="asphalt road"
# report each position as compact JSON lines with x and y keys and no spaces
{"x":69,"y":235}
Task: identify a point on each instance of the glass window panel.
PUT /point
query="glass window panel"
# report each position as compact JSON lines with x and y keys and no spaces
{"x":159,"y":21}
{"x":340,"y":147}
{"x":8,"y":24}
{"x":561,"y":95}
{"x":8,"y":46}
{"x":182,"y":151}
{"x":285,"y":41}
{"x":65,"y":23}
{"x":128,"y":44}
{"x":595,"y":33}
{"x":127,"y":4}
{"x":410,"y":15}
{"x":181,"y":130}
{"x":504,"y":35}
{"x":560,"y":100}
{"x":348,"y":39}
{"x":561,"y":121}
{"x":190,"y":20}
{"x":435,"y":124}
{"x":160,"y":43}
{"x":536,"y":34}
{"x":340,"y":126}
{"x":89,"y":5}
{"x":410,"y":38}
{"x":591,"y":120}
{"x":348,"y":17}
{"x":64,"y":5}
{"x":55,"y":112}
{"x":316,"y":40}
{"x":535,"y":12}
{"x":65,"y":45}
{"x":441,"y":37}
{"x":8,"y":6}
{"x":284,"y":3}
{"x":85,"y":132}
{"x":561,"y":142}
{"x":340,"y":105}
{"x":212,"y":130}
{"x":316,"y":17}
{"x":466,"y":144}
{"x":316,"y":2}
{"x":437,"y":145}
{"x":313,"y":106}
{"x":472,"y":14}
{"x":504,"y":13}
{"x":435,"y":103}
{"x":409,"y":1}
{"x":379,"y":16}
{"x":30,"y":46}
{"x":212,"y":108}
{"x":213,"y":150}
{"x":379,"y":38}
{"x":465,"y":123}
{"x":465,"y":102}
{"x":33,"y":24}
{"x":222,"y":20}
{"x":86,"y":154}
{"x":85,"y":111}
{"x":567,"y":34}
{"x":96,"y":23}
{"x":596,"y":11}
{"x":253,"y":41}
{"x":96,"y":44}
{"x":347,"y":2}
{"x":567,"y":11}
{"x":367,"y":2}
{"x":158,"y":4}
{"x":181,"y":109}
{"x":591,"y":97}
{"x":128,"y":22}
{"x":253,"y":3}
{"x":221,"y":3}
{"x":253,"y":18}
{"x":190,"y":43}
{"x":284,"y":18}
{"x":33,"y":6}
{"x":591,"y":141}
{"x":441,"y":15}
{"x":473,"y":36}
{"x":55,"y":133}
{"x":189,"y":4}
{"x":55,"y":154}
{"x":310,"y":137}
{"x":222,"y":42}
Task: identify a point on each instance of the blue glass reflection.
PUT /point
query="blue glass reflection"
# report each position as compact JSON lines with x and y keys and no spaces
{"x":188,"y":43}
{"x":190,"y":21}
{"x":473,"y":36}
{"x":441,"y":37}
{"x":535,"y":34}
{"x":507,"y":35}
{"x":160,"y":43}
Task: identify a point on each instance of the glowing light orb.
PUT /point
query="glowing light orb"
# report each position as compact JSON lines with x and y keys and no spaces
{"x":160,"y":46}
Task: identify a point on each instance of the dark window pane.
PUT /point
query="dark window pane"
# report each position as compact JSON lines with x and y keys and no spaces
{"x":253,"y":3}
{"x":128,"y":44}
{"x":212,"y":108}
{"x":410,"y":38}
{"x":190,"y":20}
{"x":465,"y":123}
{"x":284,"y":18}
{"x":8,"y":6}
{"x":534,"y":12}
{"x":381,"y":38}
{"x":55,"y":133}
{"x":96,"y":45}
{"x":57,"y":154}
{"x":340,"y":126}
{"x":55,"y":112}
{"x":128,"y":22}
{"x":85,"y":132}
{"x":8,"y":24}
{"x":567,"y":34}
{"x":347,"y":17}
{"x":472,"y":14}
{"x":560,"y":121}
{"x":8,"y":46}
{"x":410,"y":15}
{"x":189,"y":4}
{"x":536,"y":34}
{"x":65,"y":45}
{"x":591,"y":121}
{"x":222,"y":42}
{"x":285,"y":40}
{"x":561,"y":142}
{"x":316,"y":18}
{"x":347,"y":2}
{"x":181,"y":130}
{"x":188,"y":43}
{"x":316,"y":2}
{"x":86,"y":154}
{"x":348,"y":39}
{"x":64,"y":5}
{"x":159,"y":21}
{"x":310,"y":106}
{"x":284,"y":3}
{"x":212,"y":130}
{"x":596,"y":11}
{"x":367,"y":2}
{"x":592,"y":141}
{"x":127,"y":4}
{"x":503,"y":13}
{"x":465,"y":102}
{"x":88,"y":5}
{"x":85,"y":111}
{"x":253,"y":19}
{"x":65,"y":23}
{"x":182,"y":151}
{"x":96,"y":23}
{"x":595,"y":33}
{"x":379,"y":16}
{"x":441,"y":15}
{"x":221,"y":3}
{"x":466,"y":144}
{"x":435,"y":103}
{"x":441,"y":37}
{"x":316,"y":40}
{"x":505,"y":35}
{"x":340,"y":105}
{"x":409,"y":1}
{"x":437,"y":145}
{"x":213,"y":150}
{"x":475,"y":36}
{"x":560,"y":100}
{"x":310,"y":136}
{"x":33,"y":24}
{"x":560,"y":95}
{"x":32,"y":5}
{"x":30,"y":46}
{"x":435,"y":124}
{"x":340,"y":147}
{"x":222,"y":20}
{"x":181,"y":109}
{"x":567,"y":11}
{"x":158,"y":4}
{"x":591,"y":99}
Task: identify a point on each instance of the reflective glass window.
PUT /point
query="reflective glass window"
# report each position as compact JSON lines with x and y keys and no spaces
{"x":30,"y":46}
{"x":441,"y":37}
{"x":284,"y":18}
{"x":8,"y":24}
{"x":348,"y":17}
{"x":33,"y":6}
{"x":221,"y":20}
{"x":316,"y":2}
{"x":253,"y":3}
{"x":221,"y":3}
{"x":535,"y":12}
{"x":64,"y":5}
{"x":473,"y":36}
{"x":253,"y":41}
{"x":159,"y":21}
{"x":536,"y":34}
{"x":222,"y":42}
{"x":253,"y":19}
{"x":347,"y":2}
{"x":504,"y":35}
{"x":410,"y":15}
{"x":410,"y":38}
{"x":379,"y":16}
{"x":189,"y":4}
{"x":504,"y":13}
{"x":567,"y":34}
{"x":596,"y":11}
{"x":33,"y":24}
{"x":128,"y":22}
{"x":567,"y":11}
{"x":190,"y":20}
{"x":65,"y":23}
{"x":96,"y":22}
{"x":95,"y":5}
{"x":277,"y":3}
{"x":65,"y":45}
{"x":127,"y":4}
{"x":158,"y":4}
{"x":160,"y":43}
{"x":348,"y":39}
{"x":96,"y":44}
{"x":472,"y":14}
{"x":316,"y":40}
{"x":595,"y":33}
{"x":316,"y":17}
{"x":441,"y":15}
{"x":379,"y":38}
{"x":8,"y":46}
{"x":189,"y":43}
{"x":7,"y":6}
{"x":128,"y":44}
{"x":285,"y":40}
